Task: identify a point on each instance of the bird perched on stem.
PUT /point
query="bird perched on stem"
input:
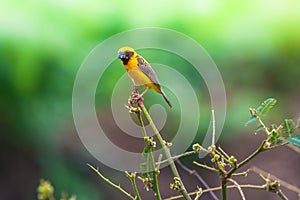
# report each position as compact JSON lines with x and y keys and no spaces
{"x":140,"y":72}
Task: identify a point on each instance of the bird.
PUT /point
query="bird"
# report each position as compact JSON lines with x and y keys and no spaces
{"x":140,"y":72}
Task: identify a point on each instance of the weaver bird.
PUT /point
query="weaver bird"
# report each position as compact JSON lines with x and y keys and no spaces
{"x":140,"y":72}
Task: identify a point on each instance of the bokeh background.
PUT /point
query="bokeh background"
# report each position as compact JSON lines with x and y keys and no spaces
{"x":255,"y":44}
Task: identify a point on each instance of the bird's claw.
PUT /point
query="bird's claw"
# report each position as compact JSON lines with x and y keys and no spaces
{"x":136,"y":98}
{"x":135,"y":88}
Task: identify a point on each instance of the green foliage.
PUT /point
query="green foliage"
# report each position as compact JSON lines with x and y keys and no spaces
{"x":265,"y":107}
{"x":294,"y":140}
{"x":276,"y":134}
{"x":288,"y":128}
{"x":290,"y":132}
{"x":43,"y":45}
{"x":224,"y":164}
{"x":252,"y":120}
{"x":259,"y":128}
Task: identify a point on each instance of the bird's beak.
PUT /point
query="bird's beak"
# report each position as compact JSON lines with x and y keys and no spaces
{"x":121,"y":55}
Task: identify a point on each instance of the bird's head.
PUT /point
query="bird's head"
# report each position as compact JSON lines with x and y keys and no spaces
{"x":125,"y":53}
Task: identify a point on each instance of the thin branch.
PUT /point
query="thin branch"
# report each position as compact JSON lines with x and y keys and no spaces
{"x":282,"y":182}
{"x":246,"y":160}
{"x":263,"y":124}
{"x":142,"y":124}
{"x":200,"y":179}
{"x":277,"y":145}
{"x":152,"y":161}
{"x":238,"y":187}
{"x":281,"y":195}
{"x":166,"y":151}
{"x":297,"y":149}
{"x":246,"y":186}
{"x":205,"y":166}
{"x":245,"y":173}
{"x":177,"y":156}
{"x":134,"y":186}
{"x":213,"y":128}
{"x":222,"y":152}
{"x":111,"y":183}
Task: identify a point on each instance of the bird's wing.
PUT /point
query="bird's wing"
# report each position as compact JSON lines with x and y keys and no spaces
{"x":145,"y":67}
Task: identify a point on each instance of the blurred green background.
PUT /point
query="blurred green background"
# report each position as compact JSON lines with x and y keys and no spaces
{"x":255,"y":44}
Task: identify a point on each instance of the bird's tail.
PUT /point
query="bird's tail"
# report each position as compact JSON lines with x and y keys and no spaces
{"x":166,"y":98}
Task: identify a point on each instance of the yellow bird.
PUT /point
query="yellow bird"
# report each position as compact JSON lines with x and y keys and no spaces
{"x":140,"y":72}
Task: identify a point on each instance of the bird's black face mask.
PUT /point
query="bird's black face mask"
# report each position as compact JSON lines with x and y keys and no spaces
{"x":125,"y":56}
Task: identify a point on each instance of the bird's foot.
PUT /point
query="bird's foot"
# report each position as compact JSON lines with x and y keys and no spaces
{"x":135,"y":88}
{"x":136,"y":98}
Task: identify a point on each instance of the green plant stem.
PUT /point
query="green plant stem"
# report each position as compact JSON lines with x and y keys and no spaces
{"x":205,"y":166}
{"x":224,"y":188}
{"x":134,"y":186}
{"x":281,"y":195}
{"x":111,"y":183}
{"x":142,"y":124}
{"x":152,"y":161}
{"x":166,"y":152}
{"x":178,"y":156}
{"x":138,"y":197}
{"x":226,"y":176}
{"x":238,"y":187}
{"x":246,"y":160}
{"x":248,"y":186}
{"x":282,"y":182}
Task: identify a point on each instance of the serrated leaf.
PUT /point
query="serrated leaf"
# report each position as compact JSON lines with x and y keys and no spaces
{"x":251,"y":120}
{"x":266,"y":106}
{"x":288,"y":127}
{"x":295,"y":140}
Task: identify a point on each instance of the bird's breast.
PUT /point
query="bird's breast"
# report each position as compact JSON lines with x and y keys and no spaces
{"x":138,"y":76}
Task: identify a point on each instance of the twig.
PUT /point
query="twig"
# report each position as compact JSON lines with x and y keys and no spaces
{"x":263,"y":125}
{"x":178,"y":156}
{"x":247,"y":186}
{"x":213,"y":128}
{"x":281,"y":195}
{"x":205,"y":166}
{"x":222,"y":152}
{"x":111,"y":183}
{"x":142,"y":124}
{"x":166,"y":151}
{"x":152,"y":161}
{"x":200,"y":179}
{"x":134,"y":186}
{"x":282,"y":182}
{"x":273,"y":186}
{"x":260,"y":149}
{"x":238,"y":187}
{"x":245,"y":173}
{"x":297,"y":149}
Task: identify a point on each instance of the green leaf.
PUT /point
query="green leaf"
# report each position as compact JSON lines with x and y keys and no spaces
{"x":288,"y":128}
{"x":295,"y":140}
{"x":266,"y":106}
{"x":259,"y":128}
{"x":251,"y":120}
